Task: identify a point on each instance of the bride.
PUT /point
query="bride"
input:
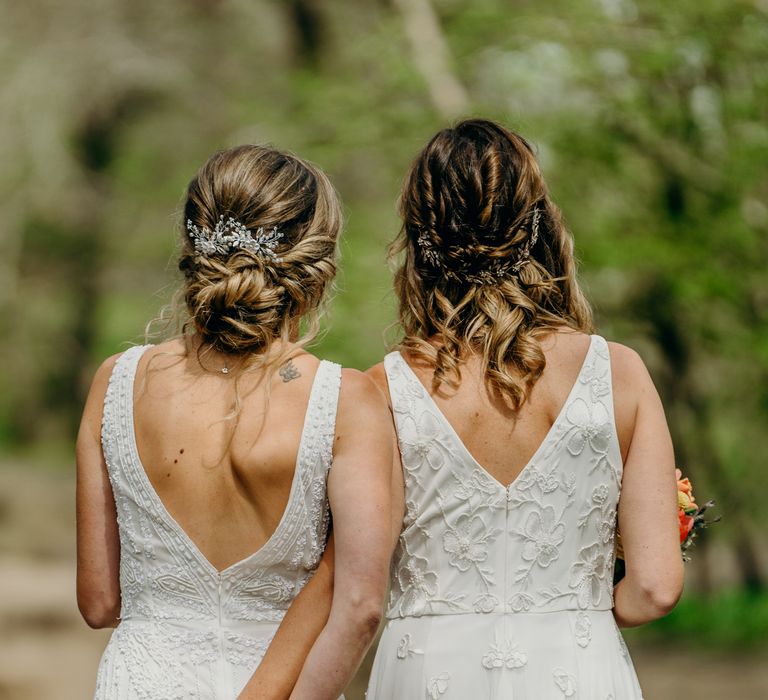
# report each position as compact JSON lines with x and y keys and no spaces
{"x":522,"y":436}
{"x":207,"y":464}
{"x":527,"y":443}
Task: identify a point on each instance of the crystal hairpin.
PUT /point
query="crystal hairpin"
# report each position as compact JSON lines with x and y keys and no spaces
{"x":230,"y":235}
{"x":494,"y":272}
{"x":525,"y":253}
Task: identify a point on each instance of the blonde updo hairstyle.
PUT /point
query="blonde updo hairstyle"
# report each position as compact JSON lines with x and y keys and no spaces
{"x":468,"y":206}
{"x":242,"y":302}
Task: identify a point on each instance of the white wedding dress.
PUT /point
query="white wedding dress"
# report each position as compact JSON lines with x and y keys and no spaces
{"x":506,"y":593}
{"x":187,"y":630}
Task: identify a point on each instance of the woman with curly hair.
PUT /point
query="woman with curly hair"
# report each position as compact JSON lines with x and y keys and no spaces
{"x":526,"y":443}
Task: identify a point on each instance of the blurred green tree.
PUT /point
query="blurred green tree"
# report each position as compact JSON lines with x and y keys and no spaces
{"x":650,"y":120}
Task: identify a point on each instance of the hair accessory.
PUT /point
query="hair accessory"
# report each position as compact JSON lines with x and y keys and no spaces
{"x":231,"y":235}
{"x":493,"y":272}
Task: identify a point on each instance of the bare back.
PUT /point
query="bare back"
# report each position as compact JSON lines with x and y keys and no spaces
{"x":502,"y":441}
{"x":225,"y":481}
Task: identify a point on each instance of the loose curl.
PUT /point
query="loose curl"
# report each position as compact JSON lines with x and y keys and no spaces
{"x":470,"y":195}
{"x":242,"y":303}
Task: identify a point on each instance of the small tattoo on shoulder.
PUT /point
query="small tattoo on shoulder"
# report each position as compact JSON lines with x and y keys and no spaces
{"x":288,"y":372}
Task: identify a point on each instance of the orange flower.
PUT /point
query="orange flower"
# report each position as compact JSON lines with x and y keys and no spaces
{"x":686,"y":524}
{"x":685,"y":499}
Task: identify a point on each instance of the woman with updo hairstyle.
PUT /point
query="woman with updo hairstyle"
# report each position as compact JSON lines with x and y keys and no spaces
{"x":210,"y":465}
{"x":527,"y":443}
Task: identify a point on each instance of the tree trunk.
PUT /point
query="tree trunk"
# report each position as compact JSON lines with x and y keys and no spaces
{"x":431,"y":56}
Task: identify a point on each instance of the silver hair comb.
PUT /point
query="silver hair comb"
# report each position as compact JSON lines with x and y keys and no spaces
{"x":230,"y":235}
{"x":493,"y":272}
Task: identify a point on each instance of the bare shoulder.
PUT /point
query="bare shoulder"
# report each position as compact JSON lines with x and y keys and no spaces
{"x":357,"y":386}
{"x":361,"y":402}
{"x":628,"y":369}
{"x":102,"y":375}
{"x":379,"y":376}
{"x":94,"y":404}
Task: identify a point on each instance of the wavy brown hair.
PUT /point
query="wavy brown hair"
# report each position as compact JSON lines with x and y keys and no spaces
{"x":241,"y":303}
{"x":470,"y":204}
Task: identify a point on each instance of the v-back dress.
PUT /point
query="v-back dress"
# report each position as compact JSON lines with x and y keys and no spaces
{"x":506,"y":593}
{"x":187,"y":630}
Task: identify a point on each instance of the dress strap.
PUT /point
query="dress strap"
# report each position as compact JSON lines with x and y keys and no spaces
{"x":117,"y":416}
{"x":320,"y":420}
{"x":393,"y":367}
{"x":309,"y":495}
{"x":597,"y":383}
{"x":596,"y":373}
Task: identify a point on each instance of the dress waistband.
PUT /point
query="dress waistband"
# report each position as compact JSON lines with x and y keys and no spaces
{"x":255,"y":628}
{"x":512,"y":607}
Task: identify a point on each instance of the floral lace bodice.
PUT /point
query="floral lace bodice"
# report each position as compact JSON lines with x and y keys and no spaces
{"x":545,"y":543}
{"x":176,"y":607}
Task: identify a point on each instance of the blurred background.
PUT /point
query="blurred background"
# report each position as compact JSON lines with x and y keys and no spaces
{"x":651,"y":123}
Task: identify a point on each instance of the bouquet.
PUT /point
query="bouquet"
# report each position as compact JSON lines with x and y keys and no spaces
{"x":691,"y":520}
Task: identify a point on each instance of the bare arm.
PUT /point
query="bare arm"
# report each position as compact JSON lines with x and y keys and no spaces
{"x":359,"y":492}
{"x":379,"y":376}
{"x":277,"y":673}
{"x":305,"y":619}
{"x":648,"y":504}
{"x":98,"y":543}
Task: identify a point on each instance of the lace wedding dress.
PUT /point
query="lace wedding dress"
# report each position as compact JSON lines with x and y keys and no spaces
{"x":187,"y":630}
{"x":506,"y":593}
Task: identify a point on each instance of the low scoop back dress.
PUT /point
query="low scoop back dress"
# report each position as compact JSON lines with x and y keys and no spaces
{"x":506,"y":592}
{"x":188,"y":631}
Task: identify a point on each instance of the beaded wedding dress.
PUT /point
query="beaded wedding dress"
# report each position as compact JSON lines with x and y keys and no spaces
{"x":187,"y":630}
{"x":506,"y":593}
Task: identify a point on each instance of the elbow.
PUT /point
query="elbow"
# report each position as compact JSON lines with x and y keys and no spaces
{"x":368,"y":616}
{"x":371,"y":619}
{"x":364,"y":614}
{"x":99,"y":613}
{"x":662,"y":601}
{"x":661,"y":594}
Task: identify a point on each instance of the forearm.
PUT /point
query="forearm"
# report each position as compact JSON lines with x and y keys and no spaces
{"x":277,"y":673}
{"x":336,"y":655}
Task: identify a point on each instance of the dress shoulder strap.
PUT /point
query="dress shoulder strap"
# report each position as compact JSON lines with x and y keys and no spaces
{"x":595,"y":375}
{"x":596,"y":389}
{"x":397,"y":382}
{"x":117,"y":416}
{"x":320,"y":420}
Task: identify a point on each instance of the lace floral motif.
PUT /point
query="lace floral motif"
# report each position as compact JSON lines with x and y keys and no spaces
{"x":422,"y":444}
{"x":591,"y":425}
{"x":583,"y":629}
{"x":565,"y":681}
{"x":595,"y":376}
{"x":438,"y":685}
{"x":588,"y":575}
{"x":405,"y":648}
{"x":467,"y":542}
{"x":504,"y":655}
{"x":521,"y":602}
{"x":543,"y":535}
{"x":485,"y":603}
{"x":604,"y":506}
{"x":477,"y":485}
{"x":535,"y":477}
{"x":417,"y":586}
